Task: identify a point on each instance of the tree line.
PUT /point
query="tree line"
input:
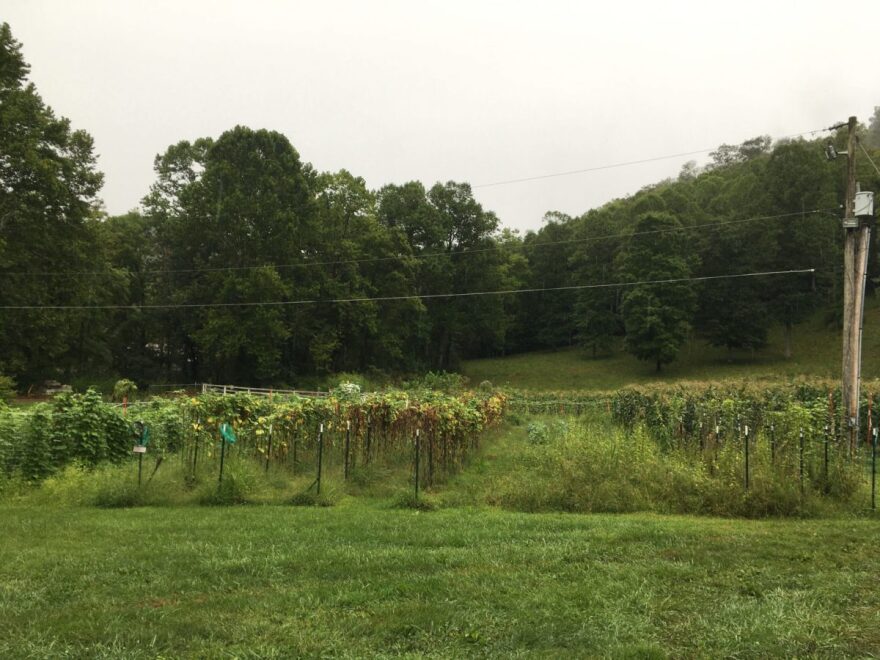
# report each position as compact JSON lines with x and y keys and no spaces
{"x":241,"y":218}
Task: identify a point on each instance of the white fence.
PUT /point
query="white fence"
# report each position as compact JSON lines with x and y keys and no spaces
{"x":263,"y":391}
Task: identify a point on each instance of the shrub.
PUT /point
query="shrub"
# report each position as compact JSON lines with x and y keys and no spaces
{"x":123,"y":389}
{"x":440,"y":381}
{"x":538,"y":433}
{"x":234,"y":489}
{"x":7,"y":389}
{"x":407,"y":500}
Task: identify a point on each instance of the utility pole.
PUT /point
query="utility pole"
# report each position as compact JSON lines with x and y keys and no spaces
{"x":855,"y":266}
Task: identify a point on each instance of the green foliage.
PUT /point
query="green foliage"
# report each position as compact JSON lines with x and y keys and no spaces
{"x":241,"y":218}
{"x":439,"y":381}
{"x":537,"y":432}
{"x":312,"y":498}
{"x":7,"y":388}
{"x":235,"y":488}
{"x":657,"y":316}
{"x":406,"y":499}
{"x":124,"y":389}
{"x":590,"y":466}
{"x":81,"y":429}
{"x":74,"y":428}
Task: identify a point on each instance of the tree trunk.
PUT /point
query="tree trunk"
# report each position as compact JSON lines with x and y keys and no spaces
{"x":659,"y":366}
{"x":788,"y":341}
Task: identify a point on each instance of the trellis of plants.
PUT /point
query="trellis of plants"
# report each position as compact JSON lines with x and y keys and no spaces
{"x":350,"y":429}
{"x":566,"y":403}
{"x":742,"y":431}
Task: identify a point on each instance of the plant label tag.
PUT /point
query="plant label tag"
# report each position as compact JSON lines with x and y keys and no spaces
{"x":140,"y":449}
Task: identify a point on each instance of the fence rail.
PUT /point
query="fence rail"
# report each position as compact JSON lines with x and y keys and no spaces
{"x":263,"y":391}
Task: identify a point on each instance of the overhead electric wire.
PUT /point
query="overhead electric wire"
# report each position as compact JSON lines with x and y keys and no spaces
{"x":627,"y":163}
{"x":494,"y":248}
{"x":868,"y":156}
{"x":424,"y":296}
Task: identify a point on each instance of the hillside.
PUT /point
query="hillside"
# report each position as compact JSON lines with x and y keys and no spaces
{"x":815,"y":352}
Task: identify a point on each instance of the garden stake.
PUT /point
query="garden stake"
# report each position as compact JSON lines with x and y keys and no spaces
{"x":802,"y":461}
{"x":418,"y":447}
{"x":222,"y":456}
{"x":826,"y":460}
{"x":430,"y":460}
{"x":320,"y":456}
{"x":747,"y":455}
{"x":368,"y":440}
{"x":196,"y":449}
{"x":140,"y":468}
{"x":347,"y":448}
{"x":772,"y":445}
{"x":269,"y":448}
{"x":874,"y":471}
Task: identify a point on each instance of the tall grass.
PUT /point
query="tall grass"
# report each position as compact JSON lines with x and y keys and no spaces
{"x":589,"y":465}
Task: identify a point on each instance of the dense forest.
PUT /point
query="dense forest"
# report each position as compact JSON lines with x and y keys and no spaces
{"x":169,"y":292}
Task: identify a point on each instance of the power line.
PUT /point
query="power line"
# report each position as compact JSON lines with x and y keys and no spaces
{"x":328,"y":301}
{"x":622,"y":164}
{"x":494,"y":248}
{"x":868,"y":156}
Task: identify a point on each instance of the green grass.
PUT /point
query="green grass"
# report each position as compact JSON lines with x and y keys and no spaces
{"x":816,"y":351}
{"x":362,"y":580}
{"x":379,"y":575}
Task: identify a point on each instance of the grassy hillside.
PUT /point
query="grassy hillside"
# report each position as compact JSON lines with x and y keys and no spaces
{"x":816,"y":352}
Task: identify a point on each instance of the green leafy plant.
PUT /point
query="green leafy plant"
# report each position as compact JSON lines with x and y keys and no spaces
{"x":124,"y":389}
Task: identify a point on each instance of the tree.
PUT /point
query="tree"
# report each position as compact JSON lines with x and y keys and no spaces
{"x":452,"y":237}
{"x":733,"y":313}
{"x":597,"y":310}
{"x":872,"y":137}
{"x":48,"y":193}
{"x":799,"y":181}
{"x":657,"y":317}
{"x":220,"y":209}
{"x":549,"y":312}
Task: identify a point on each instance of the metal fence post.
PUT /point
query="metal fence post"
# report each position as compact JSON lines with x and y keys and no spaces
{"x":320,"y":455}
{"x":418,"y":451}
{"x":347,"y":449}
{"x":269,"y":449}
{"x":874,"y":471}
{"x":802,"y":461}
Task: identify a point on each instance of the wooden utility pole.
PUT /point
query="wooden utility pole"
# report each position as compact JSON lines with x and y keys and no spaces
{"x":855,"y":264}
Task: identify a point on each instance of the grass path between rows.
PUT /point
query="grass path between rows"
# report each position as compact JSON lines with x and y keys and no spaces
{"x":363,"y":580}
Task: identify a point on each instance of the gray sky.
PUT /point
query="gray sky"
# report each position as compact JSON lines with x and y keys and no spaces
{"x":474,"y":91}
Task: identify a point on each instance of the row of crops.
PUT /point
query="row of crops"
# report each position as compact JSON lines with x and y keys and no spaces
{"x":757,"y":435}
{"x":83,"y":429}
{"x":688,"y":412}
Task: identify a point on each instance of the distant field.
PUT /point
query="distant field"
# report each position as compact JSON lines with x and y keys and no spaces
{"x":816,"y":352}
{"x":361,"y":580}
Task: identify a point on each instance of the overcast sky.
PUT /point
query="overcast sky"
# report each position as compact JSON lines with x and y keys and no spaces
{"x":465,"y":90}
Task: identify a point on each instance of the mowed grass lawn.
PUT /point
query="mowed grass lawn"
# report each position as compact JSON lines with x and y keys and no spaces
{"x":363,"y":580}
{"x":816,"y":351}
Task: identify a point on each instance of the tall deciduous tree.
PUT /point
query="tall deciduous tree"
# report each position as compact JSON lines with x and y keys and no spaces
{"x":657,"y":317}
{"x":48,"y":192}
